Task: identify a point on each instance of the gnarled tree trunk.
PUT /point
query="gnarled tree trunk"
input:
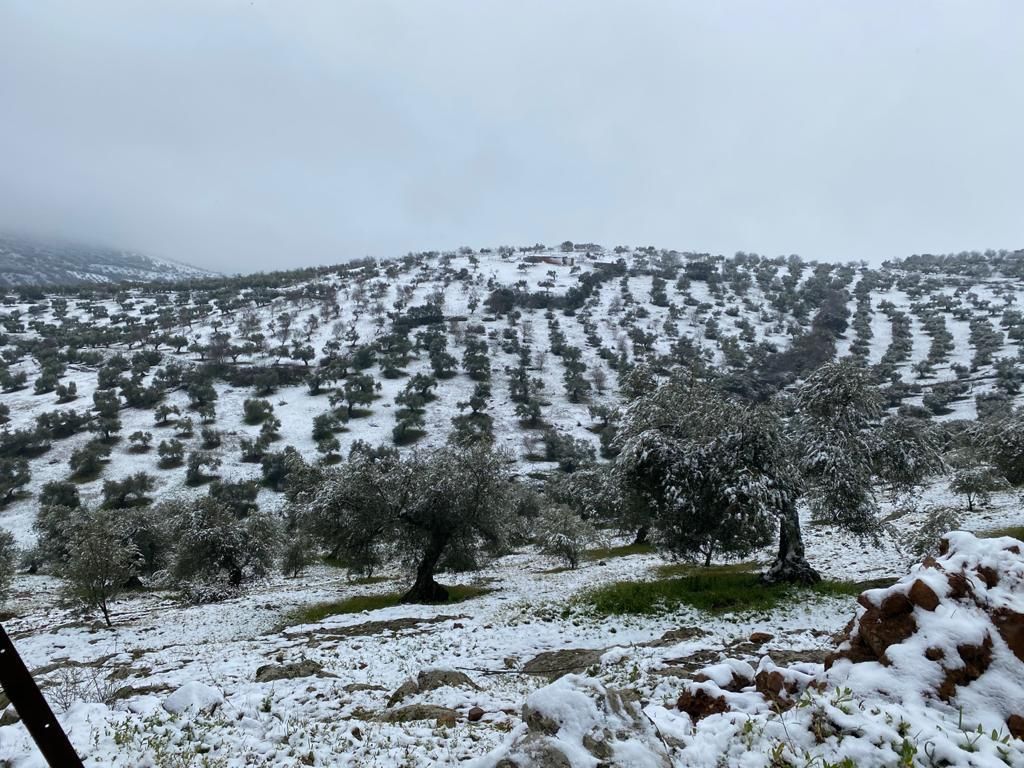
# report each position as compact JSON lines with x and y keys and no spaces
{"x":790,"y":565}
{"x":425,"y":589}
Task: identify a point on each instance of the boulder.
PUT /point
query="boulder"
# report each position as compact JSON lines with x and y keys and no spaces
{"x":194,"y":697}
{"x":555,"y":664}
{"x":698,"y":703}
{"x":412,"y":712}
{"x":431,"y":679}
{"x":305,"y":668}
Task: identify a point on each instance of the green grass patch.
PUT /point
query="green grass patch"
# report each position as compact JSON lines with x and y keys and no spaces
{"x":722,"y":589}
{"x":607,"y":553}
{"x":357,"y":604}
{"x":1016,"y":531}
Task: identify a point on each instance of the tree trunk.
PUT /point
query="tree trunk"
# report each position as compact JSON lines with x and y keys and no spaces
{"x":790,"y":565}
{"x":425,"y":589}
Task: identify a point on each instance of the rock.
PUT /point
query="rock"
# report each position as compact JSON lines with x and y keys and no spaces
{"x":9,"y":717}
{"x":878,"y":631}
{"x":407,"y":714}
{"x":431,"y":679}
{"x":579,"y":717}
{"x":761,"y":637}
{"x":555,"y":664}
{"x":786,"y":656}
{"x":537,"y":722}
{"x":193,"y":696}
{"x":895,"y":604}
{"x":988,"y":575}
{"x":923,"y":596}
{"x":1015,"y":725}
{"x":959,"y":586}
{"x":599,"y":748}
{"x":680,"y":635}
{"x":356,"y":687}
{"x":1011,"y":628}
{"x":540,"y":754}
{"x":698,"y":703}
{"x":976,"y":659}
{"x":304,"y":668}
{"x":475,"y":715}
{"x":408,"y":688}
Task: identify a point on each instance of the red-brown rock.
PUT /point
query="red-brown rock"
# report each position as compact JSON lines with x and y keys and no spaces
{"x":878,"y":631}
{"x":699,"y":703}
{"x":1011,"y":628}
{"x":959,"y":586}
{"x":975,"y":658}
{"x":896,"y":604}
{"x":1015,"y":725}
{"x":988,"y":575}
{"x":475,"y":714}
{"x":923,"y":596}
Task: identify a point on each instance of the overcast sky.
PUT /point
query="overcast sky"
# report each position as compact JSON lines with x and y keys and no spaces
{"x":259,"y":134}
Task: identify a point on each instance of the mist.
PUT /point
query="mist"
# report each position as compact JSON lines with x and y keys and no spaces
{"x":243,"y":136}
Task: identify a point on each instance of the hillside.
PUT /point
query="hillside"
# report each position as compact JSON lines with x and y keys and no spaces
{"x":553,"y":335}
{"x":203,"y":385}
{"x":31,"y":262}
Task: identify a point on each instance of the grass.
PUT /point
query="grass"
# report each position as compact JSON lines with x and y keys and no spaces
{"x":722,"y":589}
{"x":607,"y":553}
{"x":1016,"y":532}
{"x":359,"y":603}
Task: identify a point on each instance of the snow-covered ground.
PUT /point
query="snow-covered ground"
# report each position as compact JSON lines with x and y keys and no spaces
{"x":182,"y":678}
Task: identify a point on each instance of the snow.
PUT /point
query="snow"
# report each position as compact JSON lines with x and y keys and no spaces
{"x":192,"y":667}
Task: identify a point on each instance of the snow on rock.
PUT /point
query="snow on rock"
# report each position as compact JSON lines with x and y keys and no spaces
{"x":194,"y":696}
{"x":576,"y":722}
{"x":954,"y":626}
{"x":930,"y":673}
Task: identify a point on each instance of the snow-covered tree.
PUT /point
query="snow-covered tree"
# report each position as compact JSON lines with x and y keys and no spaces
{"x":101,"y":559}
{"x":714,"y":472}
{"x":976,"y":483}
{"x":8,"y":558}
{"x":213,"y":544}
{"x":562,"y":533}
{"x":432,"y":510}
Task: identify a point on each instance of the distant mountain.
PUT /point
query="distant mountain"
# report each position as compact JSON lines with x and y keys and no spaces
{"x":29,"y":261}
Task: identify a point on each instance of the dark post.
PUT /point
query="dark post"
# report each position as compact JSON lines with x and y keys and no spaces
{"x":35,"y":713}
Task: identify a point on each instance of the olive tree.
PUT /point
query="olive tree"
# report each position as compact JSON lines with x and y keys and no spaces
{"x":101,"y":559}
{"x":436,"y":510}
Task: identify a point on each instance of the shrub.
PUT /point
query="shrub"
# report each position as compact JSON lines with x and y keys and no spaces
{"x":563,"y":534}
{"x":256,"y":411}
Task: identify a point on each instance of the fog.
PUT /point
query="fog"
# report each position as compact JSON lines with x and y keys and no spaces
{"x":239,"y":136}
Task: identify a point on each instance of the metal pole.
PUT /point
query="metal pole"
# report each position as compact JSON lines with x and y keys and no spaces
{"x":35,"y":713}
